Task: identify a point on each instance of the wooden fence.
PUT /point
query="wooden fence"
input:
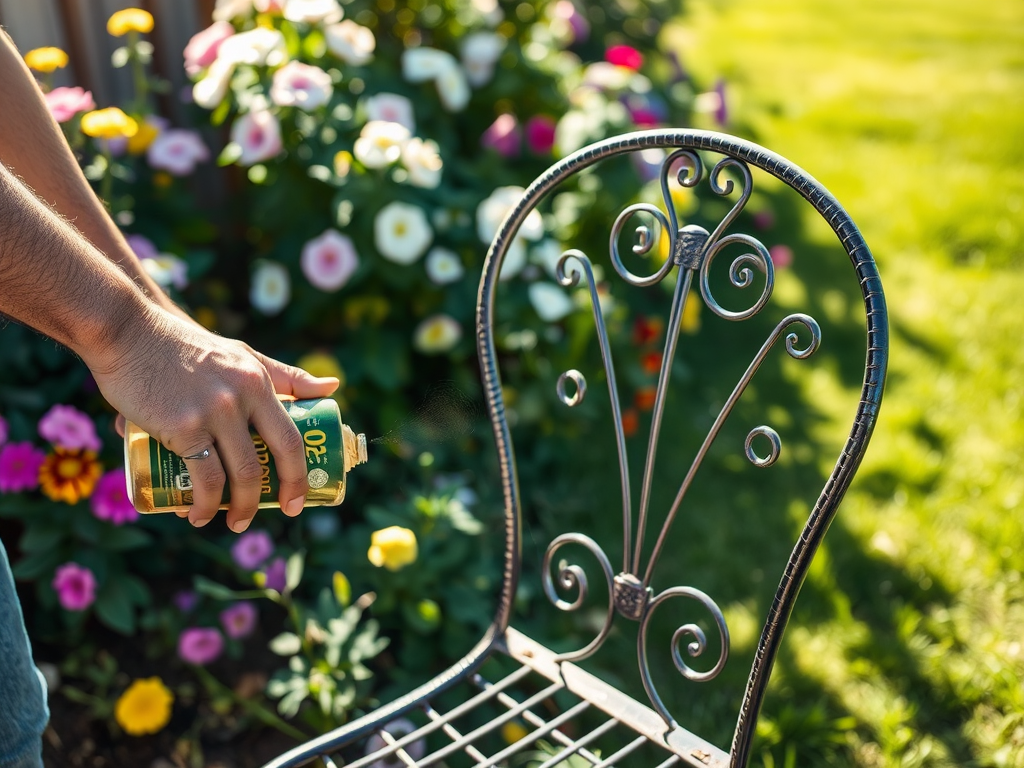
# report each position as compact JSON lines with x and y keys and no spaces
{"x":80,"y":28}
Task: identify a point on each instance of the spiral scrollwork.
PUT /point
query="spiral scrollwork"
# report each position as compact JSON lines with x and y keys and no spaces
{"x":696,"y":647}
{"x":724,"y":190}
{"x":774,"y":440}
{"x":646,"y":242}
{"x":740,"y":274}
{"x":573,"y":577}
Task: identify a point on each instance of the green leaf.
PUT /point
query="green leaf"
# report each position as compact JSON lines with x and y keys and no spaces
{"x":286,"y":644}
{"x":289,"y":705}
{"x":123,"y":538}
{"x":205,"y":586}
{"x":119,"y":57}
{"x":35,"y":565}
{"x":231,"y":153}
{"x":293,"y":571}
{"x":220,"y":114}
{"x":114,"y":608}
{"x":39,"y":538}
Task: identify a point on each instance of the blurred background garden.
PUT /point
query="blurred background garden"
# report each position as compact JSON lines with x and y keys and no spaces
{"x":322,"y":178}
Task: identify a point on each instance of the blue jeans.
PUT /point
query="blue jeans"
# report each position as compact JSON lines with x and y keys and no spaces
{"x":23,"y":712}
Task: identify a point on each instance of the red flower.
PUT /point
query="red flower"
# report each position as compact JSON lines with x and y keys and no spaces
{"x":624,"y":56}
{"x":646,"y":330}
{"x":651,"y":362}
{"x":645,"y":397}
{"x":630,"y":422}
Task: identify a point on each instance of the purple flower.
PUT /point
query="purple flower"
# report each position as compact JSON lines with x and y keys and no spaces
{"x":3,"y":430}
{"x":68,"y":427}
{"x":142,"y":246}
{"x":110,"y":499}
{"x":275,"y":575}
{"x":75,"y":586}
{"x":764,"y":219}
{"x":722,"y":112}
{"x":185,"y":601}
{"x":503,"y":136}
{"x":238,"y":620}
{"x":19,"y":467}
{"x":200,"y":645}
{"x":252,"y":549}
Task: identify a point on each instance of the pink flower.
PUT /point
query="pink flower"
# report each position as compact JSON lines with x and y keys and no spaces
{"x":782,"y":256}
{"x":142,"y":246}
{"x":503,"y":136}
{"x":722,"y":113}
{"x":3,"y":430}
{"x":275,"y":574}
{"x":110,"y":499}
{"x":238,"y":620}
{"x":177,"y":151}
{"x":301,"y":85}
{"x":201,"y":50}
{"x":764,"y":219}
{"x":328,"y":261}
{"x":200,"y":645}
{"x":68,"y":427}
{"x":75,"y":586}
{"x":624,"y":56}
{"x":65,"y":103}
{"x":185,"y":601}
{"x":258,"y":134}
{"x":391,"y":108}
{"x":644,"y":118}
{"x":540,"y":134}
{"x":252,"y":549}
{"x":19,"y":467}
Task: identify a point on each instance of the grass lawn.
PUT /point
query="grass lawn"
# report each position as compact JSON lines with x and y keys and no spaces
{"x":907,"y":647}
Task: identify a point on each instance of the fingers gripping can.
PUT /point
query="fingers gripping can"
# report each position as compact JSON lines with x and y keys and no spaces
{"x":159,"y":480}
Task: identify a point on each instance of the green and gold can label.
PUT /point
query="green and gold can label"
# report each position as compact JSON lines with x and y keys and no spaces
{"x":319,"y":423}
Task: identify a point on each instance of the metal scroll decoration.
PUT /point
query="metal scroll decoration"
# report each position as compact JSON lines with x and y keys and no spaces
{"x":693,"y":250}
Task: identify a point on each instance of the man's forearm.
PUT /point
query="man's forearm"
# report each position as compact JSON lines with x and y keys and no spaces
{"x":33,"y":148}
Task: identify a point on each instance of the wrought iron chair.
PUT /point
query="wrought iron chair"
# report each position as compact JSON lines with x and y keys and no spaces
{"x":452,"y":719}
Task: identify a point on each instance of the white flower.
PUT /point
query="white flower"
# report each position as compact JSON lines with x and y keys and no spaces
{"x":258,"y":134}
{"x":515,"y":259}
{"x":480,"y":52}
{"x":228,"y":10}
{"x":211,"y":90}
{"x":493,"y":210}
{"x":328,"y":261}
{"x":313,"y":11}
{"x":423,"y":162}
{"x":606,"y":76}
{"x":550,"y":300}
{"x":453,"y":88}
{"x":436,"y":334}
{"x":167,"y":270}
{"x":301,"y":85}
{"x":271,"y":288}
{"x":391,"y":108}
{"x":380,"y":143}
{"x":444,"y":266}
{"x":547,"y":253}
{"x":401,"y":232}
{"x":422,"y":64}
{"x":490,"y":11}
{"x":258,"y":47}
{"x":350,"y":42}
{"x":177,"y":151}
{"x":269,"y":6}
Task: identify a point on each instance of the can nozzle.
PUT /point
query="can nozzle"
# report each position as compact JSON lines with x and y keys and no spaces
{"x":355,"y":447}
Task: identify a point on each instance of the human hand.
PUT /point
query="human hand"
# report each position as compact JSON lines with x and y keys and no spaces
{"x":194,"y":391}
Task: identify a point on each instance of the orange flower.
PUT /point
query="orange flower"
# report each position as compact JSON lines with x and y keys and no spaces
{"x":647,"y":329}
{"x":645,"y":397}
{"x":69,"y":475}
{"x":651,"y":362}
{"x":630,"y":422}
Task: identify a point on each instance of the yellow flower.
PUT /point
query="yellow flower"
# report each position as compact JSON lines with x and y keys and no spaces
{"x":143,"y":137}
{"x":46,"y":59}
{"x":342,"y":163}
{"x":512,"y":732}
{"x":130,"y":20}
{"x":342,"y":589}
{"x":109,"y":123}
{"x":69,"y":475}
{"x":145,"y":707}
{"x":322,"y":364}
{"x":392,"y":548}
{"x":691,"y":314}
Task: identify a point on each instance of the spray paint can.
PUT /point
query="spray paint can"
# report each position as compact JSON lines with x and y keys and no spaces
{"x":159,"y":481}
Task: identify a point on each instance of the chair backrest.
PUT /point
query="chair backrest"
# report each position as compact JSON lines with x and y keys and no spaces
{"x":690,"y":159}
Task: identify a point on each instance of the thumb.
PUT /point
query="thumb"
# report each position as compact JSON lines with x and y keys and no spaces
{"x":289,"y":380}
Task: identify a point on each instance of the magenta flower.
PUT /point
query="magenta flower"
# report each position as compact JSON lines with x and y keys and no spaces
{"x":177,"y":150}
{"x":540,"y":134}
{"x":238,"y":620}
{"x":142,"y":246}
{"x":19,"y":467}
{"x":782,"y":256}
{"x":252,"y":549}
{"x":275,"y":573}
{"x":110,"y":499}
{"x":329,"y":261}
{"x":258,"y":133}
{"x":67,"y":427}
{"x":200,"y":645}
{"x":186,"y":600}
{"x":624,"y":56}
{"x":3,"y":430}
{"x":65,"y":103}
{"x":75,"y":586}
{"x":722,"y":111}
{"x":503,"y":136}
{"x":643,"y":117}
{"x":202,"y":48}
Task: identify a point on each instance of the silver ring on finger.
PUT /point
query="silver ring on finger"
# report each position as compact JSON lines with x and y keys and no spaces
{"x":203,"y":454}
